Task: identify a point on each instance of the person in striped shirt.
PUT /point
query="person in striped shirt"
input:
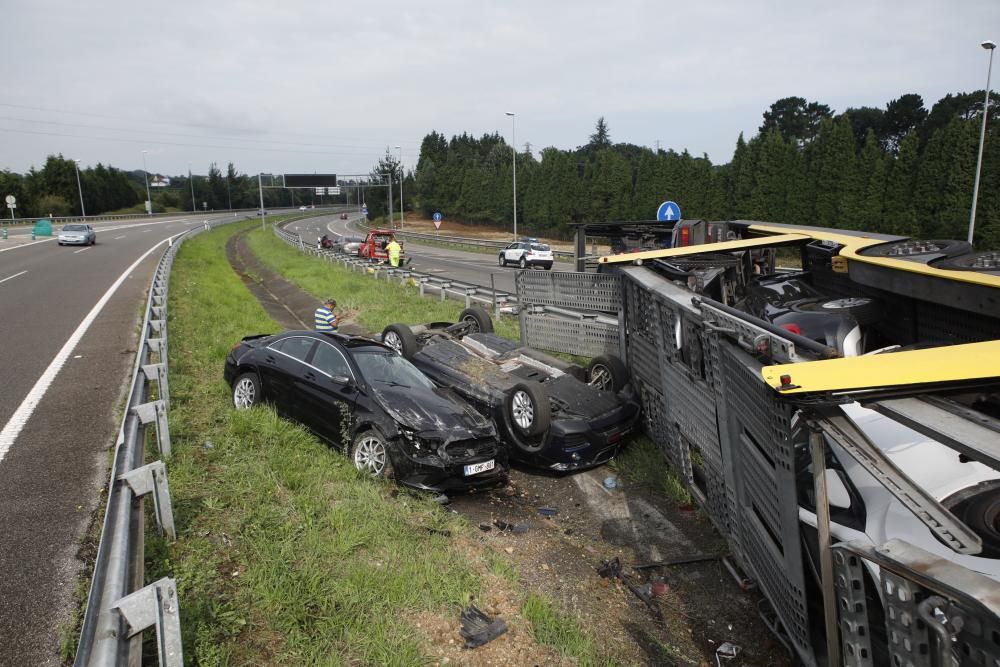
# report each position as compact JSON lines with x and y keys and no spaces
{"x":325,"y":319}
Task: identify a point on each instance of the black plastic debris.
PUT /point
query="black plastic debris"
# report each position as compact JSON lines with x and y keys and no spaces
{"x":610,"y":569}
{"x":478,"y":628}
{"x":485,"y":527}
{"x":520,"y":529}
{"x":438,"y":531}
{"x":548,"y":511}
{"x":502,"y":525}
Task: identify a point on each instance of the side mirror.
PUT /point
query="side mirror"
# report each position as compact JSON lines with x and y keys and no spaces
{"x":836,"y":490}
{"x":340,"y":379}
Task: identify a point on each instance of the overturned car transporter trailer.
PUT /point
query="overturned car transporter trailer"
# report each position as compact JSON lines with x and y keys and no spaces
{"x":856,"y":477}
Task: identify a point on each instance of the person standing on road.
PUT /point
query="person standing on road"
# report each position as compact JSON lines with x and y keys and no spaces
{"x":393,"y":248}
{"x":325,"y":319}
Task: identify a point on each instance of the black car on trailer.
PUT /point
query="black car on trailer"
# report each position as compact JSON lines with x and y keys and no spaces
{"x":554,"y":415}
{"x":362,"y":398}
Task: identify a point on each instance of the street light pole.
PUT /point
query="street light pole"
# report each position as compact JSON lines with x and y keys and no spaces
{"x":391,"y":225}
{"x":402,"y":217}
{"x":76,"y":165}
{"x":149,"y":200}
{"x":513,"y":148}
{"x":260,"y":189}
{"x":194,"y":207}
{"x":989,"y":46}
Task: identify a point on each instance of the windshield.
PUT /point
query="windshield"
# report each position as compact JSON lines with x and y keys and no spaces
{"x":74,"y":228}
{"x":384,"y":367}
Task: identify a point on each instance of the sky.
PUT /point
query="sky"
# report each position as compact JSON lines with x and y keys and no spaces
{"x":327,"y":87}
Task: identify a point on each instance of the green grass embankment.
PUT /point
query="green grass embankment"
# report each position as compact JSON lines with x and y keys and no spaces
{"x":285,"y":554}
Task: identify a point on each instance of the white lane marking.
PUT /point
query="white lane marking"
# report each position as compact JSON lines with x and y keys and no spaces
{"x":25,"y":245}
{"x":13,"y":276}
{"x":146,"y":231}
{"x":119,"y":237}
{"x":77,"y":252}
{"x":24,"y":411}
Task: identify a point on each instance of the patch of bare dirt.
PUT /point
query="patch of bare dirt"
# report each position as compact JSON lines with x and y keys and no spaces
{"x":558,"y":531}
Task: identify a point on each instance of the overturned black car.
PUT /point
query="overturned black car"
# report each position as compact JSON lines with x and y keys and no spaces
{"x":362,"y":398}
{"x":553,"y":414}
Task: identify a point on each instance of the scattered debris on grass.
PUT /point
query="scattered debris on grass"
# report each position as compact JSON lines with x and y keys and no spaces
{"x":478,"y":628}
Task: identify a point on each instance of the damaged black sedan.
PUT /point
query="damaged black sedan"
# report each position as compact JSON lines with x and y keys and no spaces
{"x":364,"y":399}
{"x":552,"y":414}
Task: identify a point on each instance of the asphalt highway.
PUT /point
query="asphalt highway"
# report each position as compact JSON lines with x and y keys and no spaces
{"x":475,"y":268}
{"x":64,"y":365}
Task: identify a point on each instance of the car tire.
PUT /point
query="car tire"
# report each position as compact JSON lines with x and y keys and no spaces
{"x":370,"y":454}
{"x":548,"y":267}
{"x":479,"y":317}
{"x":246,"y":391}
{"x":501,"y":261}
{"x":523,"y":263}
{"x":607,"y":372}
{"x":862,"y":309}
{"x":400,"y":337}
{"x":527,"y":409}
{"x":981,"y":514}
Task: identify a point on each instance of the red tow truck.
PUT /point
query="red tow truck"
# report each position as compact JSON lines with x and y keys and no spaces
{"x":375,"y":243}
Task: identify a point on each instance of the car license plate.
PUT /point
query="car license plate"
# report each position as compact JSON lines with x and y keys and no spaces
{"x":476,"y":468}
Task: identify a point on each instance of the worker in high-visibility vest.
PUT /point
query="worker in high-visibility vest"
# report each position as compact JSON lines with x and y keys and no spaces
{"x":393,"y":248}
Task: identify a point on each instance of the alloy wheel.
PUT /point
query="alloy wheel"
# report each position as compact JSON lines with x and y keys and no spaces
{"x":523,"y":410}
{"x":370,"y":455}
{"x":244,"y":393}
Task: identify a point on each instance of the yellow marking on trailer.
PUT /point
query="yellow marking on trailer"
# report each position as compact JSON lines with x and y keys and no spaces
{"x":951,"y":363}
{"x":722,"y":246}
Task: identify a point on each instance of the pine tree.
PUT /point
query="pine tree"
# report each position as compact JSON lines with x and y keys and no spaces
{"x":899,"y":211}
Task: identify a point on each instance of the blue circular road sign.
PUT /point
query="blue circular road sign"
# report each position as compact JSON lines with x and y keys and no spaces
{"x":668,"y":211}
{"x":364,"y":210}
{"x":437,"y":216}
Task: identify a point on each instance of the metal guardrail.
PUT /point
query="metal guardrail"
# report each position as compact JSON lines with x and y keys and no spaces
{"x":119,"y":607}
{"x":500,"y":301}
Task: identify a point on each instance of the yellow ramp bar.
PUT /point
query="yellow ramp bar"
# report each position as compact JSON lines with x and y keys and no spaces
{"x":953,"y":363}
{"x":724,"y":246}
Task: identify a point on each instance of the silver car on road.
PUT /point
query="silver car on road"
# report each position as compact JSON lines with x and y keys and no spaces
{"x":77,"y":234}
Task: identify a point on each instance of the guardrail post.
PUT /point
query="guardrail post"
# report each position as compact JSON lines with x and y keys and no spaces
{"x":156,"y":410}
{"x":158,"y":373}
{"x":156,"y":606}
{"x":152,"y":478}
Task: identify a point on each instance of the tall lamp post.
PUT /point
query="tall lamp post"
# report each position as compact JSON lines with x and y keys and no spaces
{"x":989,"y":46}
{"x":194,"y":207}
{"x":391,"y":225}
{"x":402,"y":216}
{"x":513,"y":148}
{"x":149,"y":200}
{"x":76,"y":165}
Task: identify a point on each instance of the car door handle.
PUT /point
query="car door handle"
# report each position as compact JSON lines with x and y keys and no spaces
{"x":310,"y":375}
{"x":269,"y":359}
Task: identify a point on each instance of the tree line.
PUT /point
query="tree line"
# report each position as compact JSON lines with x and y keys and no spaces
{"x":52,"y":190}
{"x":899,"y":169}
